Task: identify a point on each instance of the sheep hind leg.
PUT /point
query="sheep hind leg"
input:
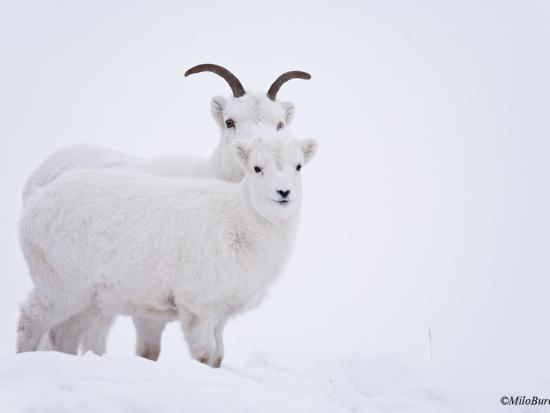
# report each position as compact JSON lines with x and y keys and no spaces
{"x":66,"y":336}
{"x":37,"y":316}
{"x":149,"y":335}
{"x":95,"y":337}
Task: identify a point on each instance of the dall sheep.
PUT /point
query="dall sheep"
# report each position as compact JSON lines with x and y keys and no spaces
{"x":239,"y":117}
{"x":195,"y":250}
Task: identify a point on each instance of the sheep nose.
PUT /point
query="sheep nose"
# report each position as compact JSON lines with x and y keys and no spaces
{"x":283,"y":194}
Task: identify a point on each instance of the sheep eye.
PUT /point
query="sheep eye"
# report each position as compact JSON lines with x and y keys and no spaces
{"x":257,"y":169}
{"x":230,"y":123}
{"x":280,"y":125}
{"x":298,"y":167}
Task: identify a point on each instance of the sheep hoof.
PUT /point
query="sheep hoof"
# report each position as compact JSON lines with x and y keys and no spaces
{"x":151,"y":353}
{"x":215,"y":363}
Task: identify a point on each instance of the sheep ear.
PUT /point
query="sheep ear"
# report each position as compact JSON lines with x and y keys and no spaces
{"x":309,"y":148}
{"x":241,"y":151}
{"x":217,"y":106}
{"x":288,"y":108}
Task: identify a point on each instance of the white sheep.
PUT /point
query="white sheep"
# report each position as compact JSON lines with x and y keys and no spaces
{"x":196,"y":250}
{"x":241,"y":116}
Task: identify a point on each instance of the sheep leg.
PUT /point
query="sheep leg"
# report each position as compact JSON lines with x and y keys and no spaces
{"x":95,"y":337}
{"x":149,"y":336}
{"x":218,"y":336}
{"x":88,"y":328}
{"x":199,"y":334}
{"x":38,"y":315}
{"x":66,"y":336}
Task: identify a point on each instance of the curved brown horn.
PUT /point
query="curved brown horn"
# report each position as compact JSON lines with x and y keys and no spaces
{"x":285,"y":77}
{"x":230,"y":78}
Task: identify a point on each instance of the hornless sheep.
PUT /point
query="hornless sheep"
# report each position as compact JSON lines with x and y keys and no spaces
{"x":196,"y":250}
{"x":241,"y":116}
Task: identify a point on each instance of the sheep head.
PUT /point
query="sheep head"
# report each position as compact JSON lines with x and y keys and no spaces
{"x":272,"y":166}
{"x":246,"y":111}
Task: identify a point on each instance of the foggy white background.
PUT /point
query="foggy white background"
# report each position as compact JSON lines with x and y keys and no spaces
{"x":426,"y":208}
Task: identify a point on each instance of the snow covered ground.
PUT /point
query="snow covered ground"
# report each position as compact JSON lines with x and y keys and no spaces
{"x":55,"y":382}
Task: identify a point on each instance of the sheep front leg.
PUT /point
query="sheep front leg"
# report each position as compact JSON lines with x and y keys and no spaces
{"x":199,"y":334}
{"x":149,"y":336}
{"x":218,"y":336}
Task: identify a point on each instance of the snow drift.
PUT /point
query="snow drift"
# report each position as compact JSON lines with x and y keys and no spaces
{"x":56,"y":382}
